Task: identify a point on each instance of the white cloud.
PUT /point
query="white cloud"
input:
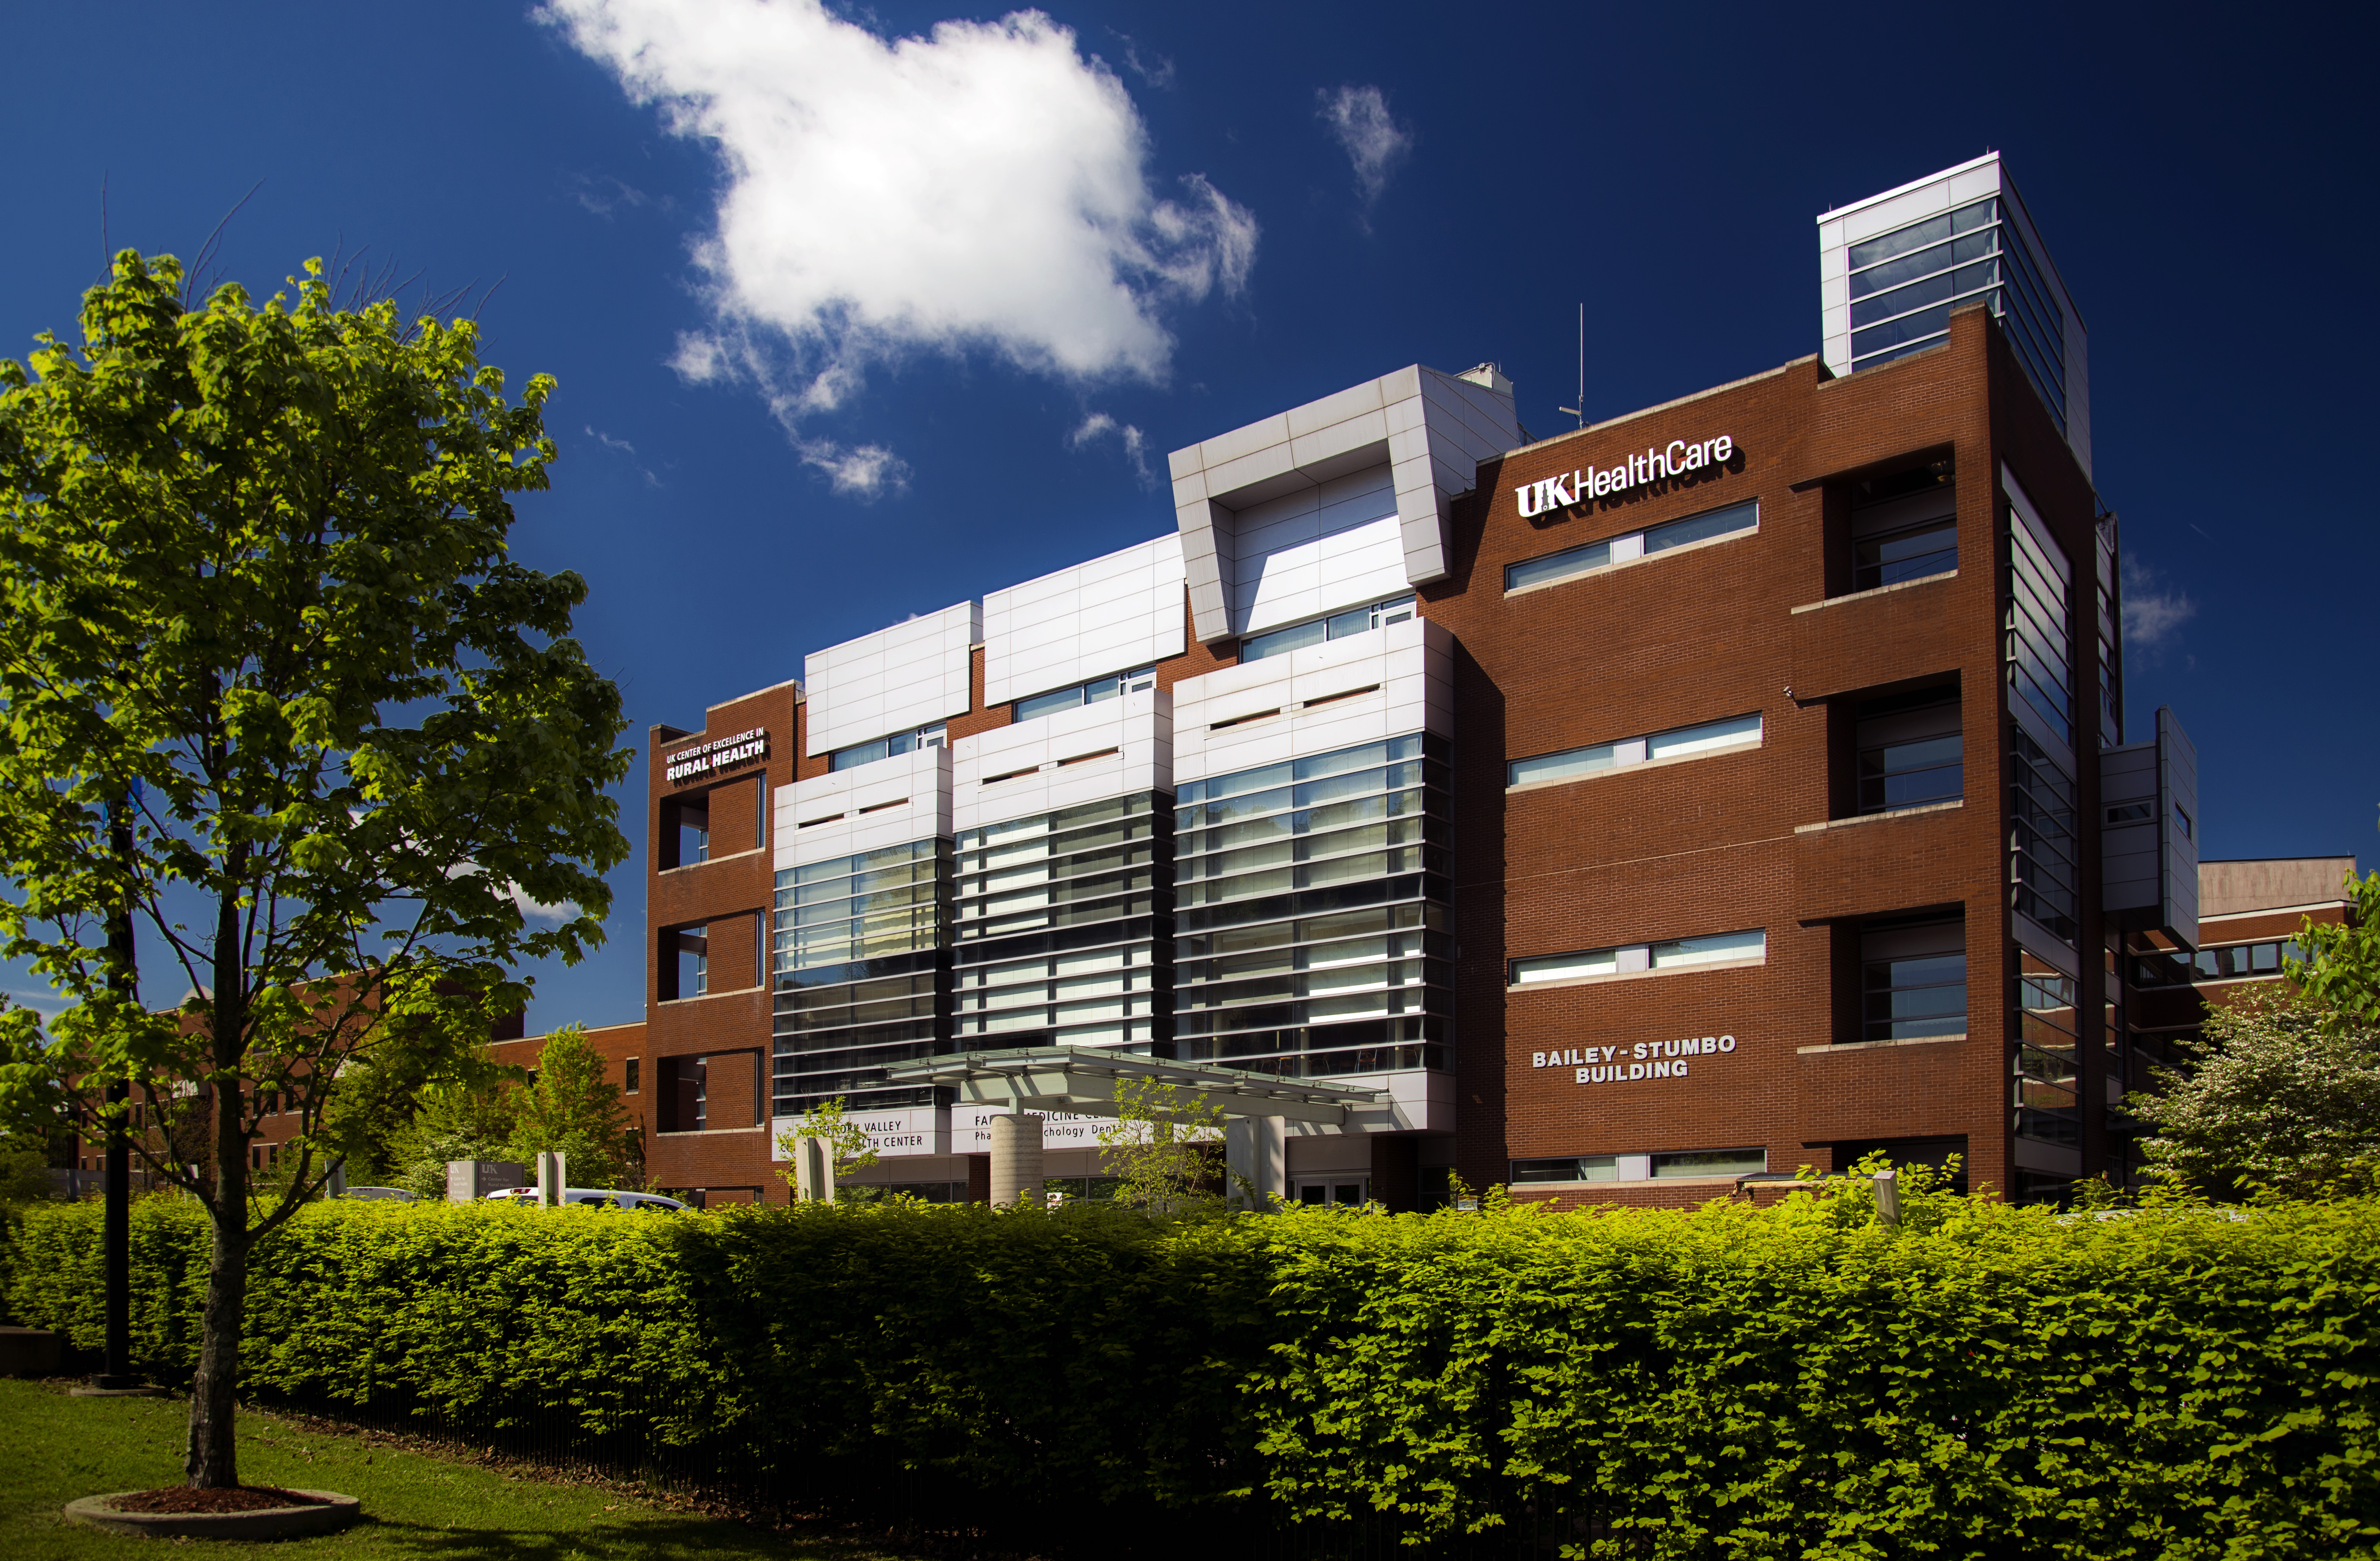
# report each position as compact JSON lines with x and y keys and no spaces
{"x":983,"y":187}
{"x":870,"y":471}
{"x":2151,"y":612}
{"x":538,"y":910}
{"x":1358,"y":117}
{"x":622,"y":447}
{"x":1098,"y":426}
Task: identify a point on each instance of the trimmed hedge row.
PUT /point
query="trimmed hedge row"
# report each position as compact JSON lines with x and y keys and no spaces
{"x":1795,"y":1382}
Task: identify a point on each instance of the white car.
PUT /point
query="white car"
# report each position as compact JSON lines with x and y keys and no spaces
{"x":589,"y":1197}
{"x":377,"y":1194}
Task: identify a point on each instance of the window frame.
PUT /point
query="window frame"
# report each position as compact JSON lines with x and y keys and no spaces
{"x":1632,"y":753}
{"x":1379,"y":615}
{"x":1629,"y":547}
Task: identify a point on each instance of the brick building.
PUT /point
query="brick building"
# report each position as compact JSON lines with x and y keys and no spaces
{"x":1734,"y":786}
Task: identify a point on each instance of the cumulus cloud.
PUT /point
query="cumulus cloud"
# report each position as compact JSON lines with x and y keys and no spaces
{"x":1374,"y":143}
{"x":983,"y":187}
{"x":1099,"y":426}
{"x":2152,"y":613}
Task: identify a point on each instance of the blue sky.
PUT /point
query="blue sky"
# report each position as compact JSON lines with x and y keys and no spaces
{"x":881,"y":325}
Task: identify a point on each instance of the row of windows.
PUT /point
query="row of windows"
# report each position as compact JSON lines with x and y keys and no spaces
{"x":1905,"y":283}
{"x":1339,"y":626}
{"x":1572,"y":562}
{"x":1092,"y":692}
{"x":1682,"y":953}
{"x":934,"y":734}
{"x":1606,"y":1167}
{"x":1733,"y":733}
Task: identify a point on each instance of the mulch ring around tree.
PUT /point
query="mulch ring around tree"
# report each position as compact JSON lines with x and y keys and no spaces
{"x":182,"y":1499}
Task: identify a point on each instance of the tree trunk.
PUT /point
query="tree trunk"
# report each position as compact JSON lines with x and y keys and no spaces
{"x":211,"y":1459}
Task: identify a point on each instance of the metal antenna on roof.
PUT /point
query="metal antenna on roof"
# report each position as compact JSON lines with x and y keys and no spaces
{"x":1579,"y":411}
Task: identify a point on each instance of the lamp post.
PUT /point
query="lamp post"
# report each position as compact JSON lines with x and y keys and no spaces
{"x":117,"y":1184}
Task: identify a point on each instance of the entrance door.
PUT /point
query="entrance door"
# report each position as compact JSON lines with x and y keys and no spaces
{"x":1346,"y":1189}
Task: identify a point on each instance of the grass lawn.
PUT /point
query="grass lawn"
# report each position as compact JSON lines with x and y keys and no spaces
{"x":54,"y":1448}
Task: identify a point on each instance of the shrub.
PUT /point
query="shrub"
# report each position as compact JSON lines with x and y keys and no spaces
{"x":1983,"y":1381}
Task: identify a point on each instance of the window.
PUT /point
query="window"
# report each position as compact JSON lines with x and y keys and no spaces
{"x":2238,"y":961}
{"x":1904,"y":526}
{"x":2040,"y":648}
{"x":1337,"y":626}
{"x":1682,"y":953}
{"x":2181,"y":821}
{"x":1736,"y":732}
{"x":1572,"y":563}
{"x":859,"y":981}
{"x":930,"y":737}
{"x":1905,"y":283}
{"x":2040,"y":836}
{"x":2046,"y":1073}
{"x":1913,"y":979}
{"x":1089,"y":693}
{"x":1574,"y":1168}
{"x":1910,"y":749}
{"x":1711,"y":1162}
{"x":1310,"y":913}
{"x":631,"y":1071}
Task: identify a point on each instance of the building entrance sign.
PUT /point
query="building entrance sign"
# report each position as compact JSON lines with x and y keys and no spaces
{"x":722,"y":752}
{"x":1650,"y":465}
{"x":1632,"y":1064}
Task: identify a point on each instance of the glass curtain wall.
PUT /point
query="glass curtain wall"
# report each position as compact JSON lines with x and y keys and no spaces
{"x":862,"y":974}
{"x":2047,"y":1067}
{"x":2111,"y":639}
{"x":1311,"y":912}
{"x":1905,"y":283}
{"x":1064,"y":929}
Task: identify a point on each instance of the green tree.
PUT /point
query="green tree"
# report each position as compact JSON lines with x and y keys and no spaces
{"x":272,"y":691}
{"x":828,"y":1121}
{"x":2284,"y":1095}
{"x":474,"y":1120}
{"x":2340,"y":971}
{"x":572,"y":1107}
{"x":1161,"y":1147}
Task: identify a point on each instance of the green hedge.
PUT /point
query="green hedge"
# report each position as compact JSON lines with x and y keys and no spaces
{"x":1796,"y":1382}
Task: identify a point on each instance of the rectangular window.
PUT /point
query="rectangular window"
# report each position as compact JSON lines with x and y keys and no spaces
{"x":2040,"y":836}
{"x":1910,"y":749}
{"x":1309,"y":912}
{"x":1905,"y":283}
{"x":631,"y":1080}
{"x":2244,"y":960}
{"x":1573,"y":562}
{"x":1682,"y":953}
{"x":2040,"y":643}
{"x":1711,"y":1162}
{"x":1361,"y":620}
{"x":1571,"y":1167}
{"x":2046,"y":1071}
{"x":1091,"y":692}
{"x":1905,"y":525}
{"x":1736,"y":732}
{"x":929,"y":736}
{"x":1913,"y":979}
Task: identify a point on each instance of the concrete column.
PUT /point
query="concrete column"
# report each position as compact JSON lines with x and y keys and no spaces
{"x":1255,"y":1147}
{"x":813,"y":1170}
{"x":551,"y":1178}
{"x":1016,"y":1159}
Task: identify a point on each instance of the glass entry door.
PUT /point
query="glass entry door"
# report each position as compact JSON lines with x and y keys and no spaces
{"x":1347,"y":1189}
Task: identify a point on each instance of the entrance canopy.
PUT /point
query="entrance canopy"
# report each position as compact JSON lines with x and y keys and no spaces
{"x":1083,"y":1081}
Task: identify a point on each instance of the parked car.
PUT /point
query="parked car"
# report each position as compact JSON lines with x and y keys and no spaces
{"x":590,"y":1197}
{"x":392,"y":1194}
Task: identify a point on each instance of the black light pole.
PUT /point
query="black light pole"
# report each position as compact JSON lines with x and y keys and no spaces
{"x":117,"y":1236}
